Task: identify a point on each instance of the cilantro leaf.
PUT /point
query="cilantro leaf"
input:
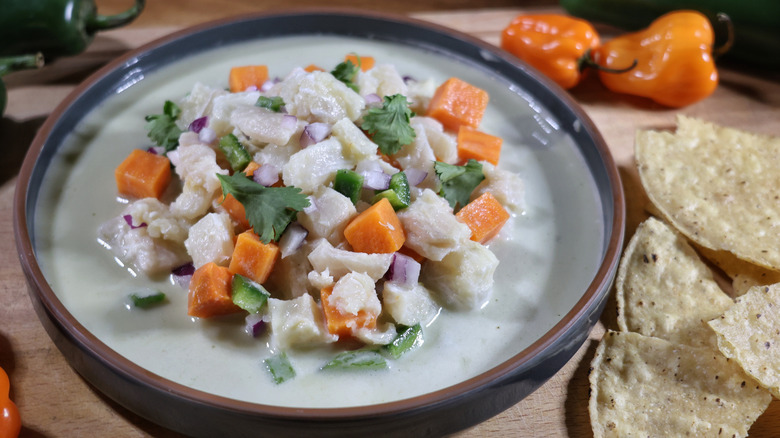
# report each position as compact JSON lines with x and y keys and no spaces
{"x":162,"y":127}
{"x":274,"y":104}
{"x":457,"y":182}
{"x":389,"y":126}
{"x":268,"y":209}
{"x":346,"y":72}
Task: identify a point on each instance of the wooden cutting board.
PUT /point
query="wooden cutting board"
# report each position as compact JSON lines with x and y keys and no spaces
{"x":55,"y":402}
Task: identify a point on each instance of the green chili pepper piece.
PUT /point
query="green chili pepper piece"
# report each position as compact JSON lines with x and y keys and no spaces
{"x":349,"y":183}
{"x":366,"y":359}
{"x":147,"y":301}
{"x":398,"y":193}
{"x":236,"y":155}
{"x":247,"y":294}
{"x":407,"y":340}
{"x":280,"y":368}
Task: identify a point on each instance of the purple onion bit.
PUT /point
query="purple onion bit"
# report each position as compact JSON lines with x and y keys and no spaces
{"x":403,"y":270}
{"x":129,"y":219}
{"x":255,"y":325}
{"x":199,"y":124}
{"x":415,"y":176}
{"x":184,"y":270}
{"x":266,"y":175}
{"x":314,"y":133}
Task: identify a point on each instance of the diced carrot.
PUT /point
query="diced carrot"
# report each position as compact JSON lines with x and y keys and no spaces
{"x":341,"y":323}
{"x":365,"y":62}
{"x":457,"y":103}
{"x":210,"y":292}
{"x":311,"y":67}
{"x":250,"y":168}
{"x":252,"y":258}
{"x":484,"y":216}
{"x":143,"y":175}
{"x":389,"y":160}
{"x":236,"y":210}
{"x":245,"y":76}
{"x":376,"y":230}
{"x":405,"y":250}
{"x":478,"y":145}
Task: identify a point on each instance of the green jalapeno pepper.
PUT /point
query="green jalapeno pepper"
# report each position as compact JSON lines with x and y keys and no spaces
{"x":55,"y":27}
{"x":13,"y":63}
{"x":756,"y":29}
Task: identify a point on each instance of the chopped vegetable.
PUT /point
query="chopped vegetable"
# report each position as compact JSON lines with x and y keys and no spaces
{"x":266,"y":175}
{"x":292,"y":239}
{"x":398,"y":192}
{"x":162,"y":127}
{"x":456,"y":103}
{"x":143,"y":175}
{"x":314,"y":133}
{"x":248,"y":294}
{"x":250,"y":168}
{"x":209,"y":293}
{"x":274,"y":104}
{"x":253,"y":258}
{"x":349,"y":183}
{"x":457,"y":182}
{"x":404,"y":270}
{"x":268,"y":209}
{"x":485,"y":217}
{"x":236,"y":210}
{"x":341,"y":323}
{"x":243,"y":77}
{"x":237,"y":156}
{"x":254,"y":324}
{"x":346,"y":72}
{"x":311,"y":68}
{"x":389,"y":125}
{"x":376,"y":230}
{"x":473,"y":144}
{"x":364,"y":62}
{"x":364,"y":359}
{"x":280,"y":368}
{"x":146,"y":301}
{"x":407,"y":340}
{"x":198,"y":124}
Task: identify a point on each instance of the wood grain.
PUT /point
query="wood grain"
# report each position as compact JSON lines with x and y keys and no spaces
{"x":55,"y":402}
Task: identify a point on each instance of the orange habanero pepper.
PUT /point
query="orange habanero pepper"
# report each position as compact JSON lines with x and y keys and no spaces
{"x":675,"y":65}
{"x":10,"y":421}
{"x":556,"y":45}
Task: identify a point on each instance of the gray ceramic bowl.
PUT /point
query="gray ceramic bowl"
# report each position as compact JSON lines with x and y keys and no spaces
{"x":456,"y":407}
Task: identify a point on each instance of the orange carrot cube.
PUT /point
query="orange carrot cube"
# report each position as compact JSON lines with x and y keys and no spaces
{"x":143,"y":175}
{"x":478,"y":145}
{"x":341,"y":323}
{"x":312,"y":68}
{"x":376,"y":230}
{"x":210,"y":292}
{"x":245,"y":76}
{"x":456,"y":103}
{"x":484,"y":216}
{"x":365,"y":62}
{"x":252,"y":258}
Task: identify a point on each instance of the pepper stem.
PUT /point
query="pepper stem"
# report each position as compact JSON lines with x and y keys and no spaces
{"x":22,"y":62}
{"x":726,"y":46}
{"x":587,"y":61}
{"x":105,"y":22}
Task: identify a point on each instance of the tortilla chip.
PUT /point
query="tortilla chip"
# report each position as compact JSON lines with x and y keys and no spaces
{"x":716,"y":185}
{"x":749,"y":333}
{"x":744,"y":275}
{"x":665,"y":290}
{"x":643,"y":386}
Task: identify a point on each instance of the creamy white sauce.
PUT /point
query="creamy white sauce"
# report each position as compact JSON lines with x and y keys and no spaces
{"x":547,"y":257}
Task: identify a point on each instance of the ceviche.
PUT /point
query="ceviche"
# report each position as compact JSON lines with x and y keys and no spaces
{"x":343,"y":207}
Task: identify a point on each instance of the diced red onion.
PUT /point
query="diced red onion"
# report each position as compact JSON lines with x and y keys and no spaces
{"x":289,"y":122}
{"x":415,"y":176}
{"x":403,"y":270}
{"x":266,"y":175}
{"x":129,"y":219}
{"x":408,"y":78}
{"x":292,"y":239}
{"x":255,"y":325}
{"x":207,"y":135}
{"x":372,"y":98}
{"x":376,"y":180}
{"x":199,"y":124}
{"x":157,"y":150}
{"x":314,"y":133}
{"x":251,"y":88}
{"x":267,"y":85}
{"x":184,"y":270}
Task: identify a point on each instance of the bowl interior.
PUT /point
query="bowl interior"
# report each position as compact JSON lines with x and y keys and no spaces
{"x":554,"y":275}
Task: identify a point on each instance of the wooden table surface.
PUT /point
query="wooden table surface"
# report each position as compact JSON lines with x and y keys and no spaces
{"x":55,"y":402}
